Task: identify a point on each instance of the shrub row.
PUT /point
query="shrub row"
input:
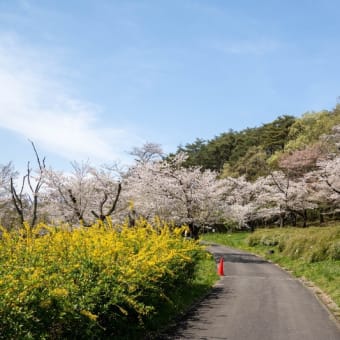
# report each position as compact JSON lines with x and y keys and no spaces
{"x":100,"y":282}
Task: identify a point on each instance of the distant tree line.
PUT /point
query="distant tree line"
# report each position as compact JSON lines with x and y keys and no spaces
{"x":254,"y":152}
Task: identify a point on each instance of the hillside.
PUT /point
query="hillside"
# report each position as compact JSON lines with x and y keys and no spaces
{"x":254,"y":151}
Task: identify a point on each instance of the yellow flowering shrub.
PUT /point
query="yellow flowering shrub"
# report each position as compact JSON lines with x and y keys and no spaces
{"x":102,"y":281}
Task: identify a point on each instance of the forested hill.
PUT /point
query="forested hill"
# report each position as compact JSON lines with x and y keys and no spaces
{"x":253,"y":151}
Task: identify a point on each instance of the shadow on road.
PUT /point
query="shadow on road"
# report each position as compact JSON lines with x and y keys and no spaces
{"x":239,"y":258}
{"x":242,"y":258}
{"x":186,"y":327}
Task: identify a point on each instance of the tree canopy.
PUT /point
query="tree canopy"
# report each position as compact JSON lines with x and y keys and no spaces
{"x":253,"y":152}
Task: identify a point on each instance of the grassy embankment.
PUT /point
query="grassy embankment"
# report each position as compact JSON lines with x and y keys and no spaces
{"x":311,"y":253}
{"x":100,"y":282}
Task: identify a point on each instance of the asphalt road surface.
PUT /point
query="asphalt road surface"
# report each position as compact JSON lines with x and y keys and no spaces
{"x":255,"y":300}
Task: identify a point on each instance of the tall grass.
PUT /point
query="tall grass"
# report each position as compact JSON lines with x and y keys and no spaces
{"x":308,"y":244}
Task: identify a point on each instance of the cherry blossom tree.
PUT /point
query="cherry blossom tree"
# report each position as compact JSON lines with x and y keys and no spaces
{"x":147,"y":153}
{"x":321,"y":194}
{"x":84,"y":195}
{"x":7,"y":214}
{"x":298,"y":162}
{"x":170,"y":191}
{"x":285,"y":196}
{"x":325,"y":183}
{"x":330,"y":173}
{"x":7,"y":172}
{"x":240,"y":197}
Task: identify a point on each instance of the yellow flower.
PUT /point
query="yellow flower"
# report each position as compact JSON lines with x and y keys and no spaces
{"x":89,"y":315}
{"x":59,"y":292}
{"x":45,"y":303}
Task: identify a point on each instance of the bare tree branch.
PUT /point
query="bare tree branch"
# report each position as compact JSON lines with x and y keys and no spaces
{"x":34,"y":188}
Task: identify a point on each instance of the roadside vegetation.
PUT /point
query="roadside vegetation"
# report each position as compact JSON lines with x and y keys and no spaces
{"x":107,"y":281}
{"x":310,"y":253}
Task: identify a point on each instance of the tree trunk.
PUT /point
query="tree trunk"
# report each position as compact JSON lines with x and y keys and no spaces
{"x":321,"y":217}
{"x":304,"y":216}
{"x":193,"y":230}
{"x":282,"y":220}
{"x":294,"y":219}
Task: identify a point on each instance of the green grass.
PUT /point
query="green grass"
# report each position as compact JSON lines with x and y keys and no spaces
{"x":307,"y":253}
{"x":235,"y":240}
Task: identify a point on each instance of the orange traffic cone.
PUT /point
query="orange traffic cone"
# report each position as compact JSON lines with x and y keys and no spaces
{"x":220,"y":270}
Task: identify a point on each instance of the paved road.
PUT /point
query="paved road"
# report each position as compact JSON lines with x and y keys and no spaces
{"x":256,"y":300}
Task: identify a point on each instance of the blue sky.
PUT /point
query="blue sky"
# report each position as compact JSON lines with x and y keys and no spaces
{"x":90,"y":79}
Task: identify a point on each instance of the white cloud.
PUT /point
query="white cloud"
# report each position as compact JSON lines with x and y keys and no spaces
{"x":36,"y":105}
